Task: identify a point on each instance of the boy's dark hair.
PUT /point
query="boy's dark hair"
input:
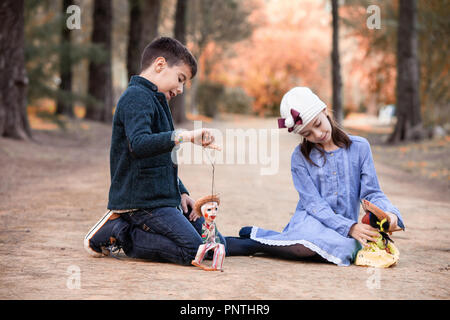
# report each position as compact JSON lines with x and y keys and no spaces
{"x":170,"y":49}
{"x":340,"y":138}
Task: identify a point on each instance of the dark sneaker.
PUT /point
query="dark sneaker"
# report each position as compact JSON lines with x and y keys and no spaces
{"x":101,"y":240}
{"x":245,"y":232}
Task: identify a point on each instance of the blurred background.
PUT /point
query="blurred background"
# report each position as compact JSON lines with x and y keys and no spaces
{"x":381,"y":67}
{"x":250,"y":52}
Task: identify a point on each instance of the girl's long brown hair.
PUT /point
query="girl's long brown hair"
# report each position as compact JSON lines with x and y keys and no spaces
{"x":340,"y":138}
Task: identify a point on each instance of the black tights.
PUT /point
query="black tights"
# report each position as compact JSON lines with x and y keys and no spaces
{"x":239,"y":246}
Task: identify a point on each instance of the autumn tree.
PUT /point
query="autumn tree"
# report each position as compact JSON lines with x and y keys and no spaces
{"x":283,"y":51}
{"x":13,"y":78}
{"x":215,"y":22}
{"x":100,"y":74}
{"x":409,"y":120}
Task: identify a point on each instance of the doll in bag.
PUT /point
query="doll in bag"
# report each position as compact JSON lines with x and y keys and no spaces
{"x":382,"y":253}
{"x":208,"y":207}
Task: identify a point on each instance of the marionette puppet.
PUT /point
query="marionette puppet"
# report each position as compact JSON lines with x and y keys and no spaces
{"x":208,"y":207}
{"x":382,"y":253}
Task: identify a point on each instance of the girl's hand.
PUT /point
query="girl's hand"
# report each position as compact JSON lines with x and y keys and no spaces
{"x":393,"y":223}
{"x":363,"y":232}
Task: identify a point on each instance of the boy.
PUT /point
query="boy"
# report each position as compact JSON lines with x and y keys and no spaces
{"x":145,"y":193}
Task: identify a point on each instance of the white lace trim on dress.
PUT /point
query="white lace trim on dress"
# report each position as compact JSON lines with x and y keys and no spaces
{"x":306,"y":243}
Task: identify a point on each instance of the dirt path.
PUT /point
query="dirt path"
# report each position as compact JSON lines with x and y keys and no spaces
{"x":51,"y":194}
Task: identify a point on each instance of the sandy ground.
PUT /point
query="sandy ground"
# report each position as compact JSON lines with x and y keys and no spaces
{"x":52,"y":192}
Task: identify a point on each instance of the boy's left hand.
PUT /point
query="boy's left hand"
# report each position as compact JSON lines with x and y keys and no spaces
{"x":186,"y":201}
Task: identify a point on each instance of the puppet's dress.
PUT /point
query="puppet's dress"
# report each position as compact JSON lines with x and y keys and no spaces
{"x":329,"y":201}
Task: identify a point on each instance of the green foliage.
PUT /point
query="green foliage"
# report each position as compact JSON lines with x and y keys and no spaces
{"x":235,"y":100}
{"x":213,"y":96}
{"x":43,"y":24}
{"x":209,"y":95}
{"x":434,"y":37}
{"x":222,"y":21}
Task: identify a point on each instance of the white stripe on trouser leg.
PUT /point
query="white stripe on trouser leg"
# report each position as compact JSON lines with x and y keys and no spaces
{"x":222,"y":255}
{"x":219,"y":254}
{"x":200,"y":253}
{"x":204,"y":250}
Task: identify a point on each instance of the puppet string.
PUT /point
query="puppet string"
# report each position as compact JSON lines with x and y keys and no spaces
{"x":212,"y":164}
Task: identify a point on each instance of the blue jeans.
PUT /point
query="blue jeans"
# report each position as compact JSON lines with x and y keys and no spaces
{"x":164,"y":234}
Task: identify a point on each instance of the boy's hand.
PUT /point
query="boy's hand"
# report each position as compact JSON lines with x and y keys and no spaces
{"x":186,"y":201}
{"x":193,"y":216}
{"x":202,"y":137}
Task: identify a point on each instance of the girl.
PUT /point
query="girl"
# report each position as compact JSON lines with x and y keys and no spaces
{"x":332,"y":173}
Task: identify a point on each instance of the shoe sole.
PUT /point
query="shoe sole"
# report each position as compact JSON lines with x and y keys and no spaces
{"x":93,"y":231}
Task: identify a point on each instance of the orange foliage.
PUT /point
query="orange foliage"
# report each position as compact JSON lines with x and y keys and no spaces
{"x":369,"y":75}
{"x":290,"y":48}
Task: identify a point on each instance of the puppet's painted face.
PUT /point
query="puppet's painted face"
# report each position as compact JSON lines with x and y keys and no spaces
{"x":209,"y":211}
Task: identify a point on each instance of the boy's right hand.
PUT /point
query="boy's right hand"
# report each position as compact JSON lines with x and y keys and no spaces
{"x":202,"y":137}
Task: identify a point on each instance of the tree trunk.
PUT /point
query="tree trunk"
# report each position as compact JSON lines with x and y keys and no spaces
{"x":177,"y":104}
{"x":134,"y":36}
{"x":13,"y":77}
{"x":144,"y":20}
{"x":64,"y":104}
{"x":150,"y":15}
{"x":100,"y":76}
{"x":336,"y":66}
{"x":409,"y":120}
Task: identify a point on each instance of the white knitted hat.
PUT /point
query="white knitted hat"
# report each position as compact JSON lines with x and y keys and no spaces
{"x":298,"y":107}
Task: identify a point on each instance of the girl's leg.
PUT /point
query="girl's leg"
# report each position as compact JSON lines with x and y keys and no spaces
{"x":241,"y":246}
{"x":294,"y":251}
{"x":245,"y":247}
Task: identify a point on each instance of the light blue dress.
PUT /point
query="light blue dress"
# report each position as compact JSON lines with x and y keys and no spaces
{"x":329,"y":203}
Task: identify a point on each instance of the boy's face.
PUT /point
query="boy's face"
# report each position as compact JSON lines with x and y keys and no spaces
{"x":169,"y":79}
